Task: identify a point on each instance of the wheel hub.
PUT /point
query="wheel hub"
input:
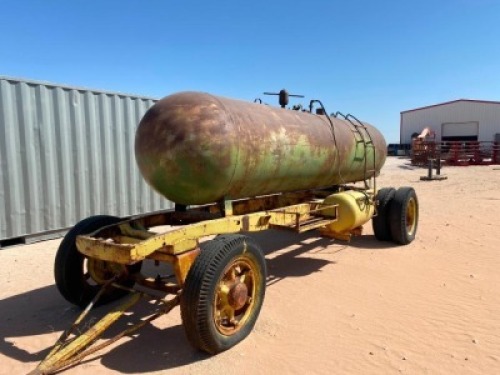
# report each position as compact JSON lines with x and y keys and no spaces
{"x":234,"y":300}
{"x":238,"y":295}
{"x":101,"y":271}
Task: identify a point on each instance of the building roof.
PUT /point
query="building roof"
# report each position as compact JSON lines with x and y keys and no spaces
{"x":451,"y":102}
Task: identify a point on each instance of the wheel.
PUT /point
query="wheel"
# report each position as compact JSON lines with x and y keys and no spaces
{"x":380,"y":222}
{"x":223,"y":293}
{"x":77,"y":277}
{"x":403,"y":216}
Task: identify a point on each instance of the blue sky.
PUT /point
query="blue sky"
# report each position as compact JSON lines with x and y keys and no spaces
{"x":370,"y":58}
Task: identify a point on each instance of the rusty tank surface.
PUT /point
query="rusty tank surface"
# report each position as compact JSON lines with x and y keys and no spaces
{"x":196,"y":148}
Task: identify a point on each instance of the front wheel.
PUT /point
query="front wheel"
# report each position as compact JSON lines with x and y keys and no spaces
{"x":78,"y":277}
{"x":223,"y":293}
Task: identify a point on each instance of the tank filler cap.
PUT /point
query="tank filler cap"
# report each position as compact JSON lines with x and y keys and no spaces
{"x":284,"y":97}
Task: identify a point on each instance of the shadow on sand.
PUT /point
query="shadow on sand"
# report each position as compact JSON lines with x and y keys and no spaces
{"x":43,"y":310}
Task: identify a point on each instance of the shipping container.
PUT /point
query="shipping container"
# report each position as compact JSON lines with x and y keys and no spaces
{"x":67,"y":153}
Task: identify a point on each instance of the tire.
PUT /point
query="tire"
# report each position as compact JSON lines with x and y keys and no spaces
{"x":74,"y":282}
{"x":403,"y":216}
{"x":227,"y":279}
{"x":380,"y":222}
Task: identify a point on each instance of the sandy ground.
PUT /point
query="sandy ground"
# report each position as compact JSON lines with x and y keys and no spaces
{"x":366,"y":307}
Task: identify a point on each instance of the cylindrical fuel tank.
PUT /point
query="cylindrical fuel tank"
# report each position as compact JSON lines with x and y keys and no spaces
{"x":196,"y":148}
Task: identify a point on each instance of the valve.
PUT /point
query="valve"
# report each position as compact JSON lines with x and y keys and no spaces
{"x":284,"y":97}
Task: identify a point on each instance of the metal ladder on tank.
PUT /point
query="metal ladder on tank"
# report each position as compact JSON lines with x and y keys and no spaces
{"x":362,"y":136}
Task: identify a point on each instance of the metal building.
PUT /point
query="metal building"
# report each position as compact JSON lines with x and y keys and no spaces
{"x":458,"y":120}
{"x":67,"y":153}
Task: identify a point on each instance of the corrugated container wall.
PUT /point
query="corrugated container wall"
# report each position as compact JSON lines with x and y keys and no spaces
{"x":485,"y":114}
{"x":65,"y":154}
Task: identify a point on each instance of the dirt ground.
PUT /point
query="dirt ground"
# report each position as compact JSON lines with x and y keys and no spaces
{"x":367,"y":307}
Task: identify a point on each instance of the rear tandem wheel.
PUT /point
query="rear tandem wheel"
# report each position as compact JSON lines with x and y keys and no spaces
{"x":380,"y":222}
{"x":223,"y":293}
{"x":403,"y":215}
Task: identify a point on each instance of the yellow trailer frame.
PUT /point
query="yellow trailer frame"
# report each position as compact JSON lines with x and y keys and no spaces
{"x":236,"y":289}
{"x":130,"y":241}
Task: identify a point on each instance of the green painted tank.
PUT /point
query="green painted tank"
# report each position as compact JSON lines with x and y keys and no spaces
{"x":196,"y":148}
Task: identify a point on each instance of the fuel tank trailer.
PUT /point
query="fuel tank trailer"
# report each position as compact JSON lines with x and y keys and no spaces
{"x":232,"y":168}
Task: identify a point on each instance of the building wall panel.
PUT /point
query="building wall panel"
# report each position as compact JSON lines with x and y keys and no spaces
{"x":67,"y":153}
{"x":486,"y":114}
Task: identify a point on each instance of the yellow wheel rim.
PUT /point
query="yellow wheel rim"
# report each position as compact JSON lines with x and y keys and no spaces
{"x":235,"y":295}
{"x":411,"y":216}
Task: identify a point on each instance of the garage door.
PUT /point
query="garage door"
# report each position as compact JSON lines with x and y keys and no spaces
{"x":460,"y":131}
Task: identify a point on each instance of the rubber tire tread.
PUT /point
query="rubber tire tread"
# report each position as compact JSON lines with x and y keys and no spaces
{"x":68,"y":266}
{"x":397,"y":216}
{"x":380,"y":223}
{"x":197,"y":297}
